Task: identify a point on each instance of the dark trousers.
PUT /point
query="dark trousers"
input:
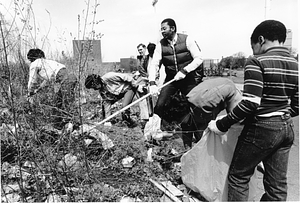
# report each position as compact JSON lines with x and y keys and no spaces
{"x":184,"y":86}
{"x":263,"y":139}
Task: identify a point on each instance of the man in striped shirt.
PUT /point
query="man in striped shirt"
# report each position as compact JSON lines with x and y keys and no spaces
{"x":270,"y":99}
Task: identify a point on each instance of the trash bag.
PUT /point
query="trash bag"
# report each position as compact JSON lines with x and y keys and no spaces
{"x":152,"y":127}
{"x":204,"y":168}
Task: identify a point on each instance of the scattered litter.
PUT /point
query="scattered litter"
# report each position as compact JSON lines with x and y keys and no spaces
{"x":7,"y":128}
{"x":107,"y":124}
{"x":69,"y":127}
{"x":174,"y":152}
{"x":14,"y":172}
{"x":95,"y":133}
{"x":149,"y":155}
{"x":88,"y":141}
{"x":13,"y":197}
{"x":4,"y":112}
{"x":130,"y":199}
{"x":53,"y":198}
{"x":177,"y":166}
{"x":174,"y":190}
{"x":29,"y":164}
{"x":128,"y":162}
{"x":5,"y":167}
{"x":69,"y":161}
{"x":11,"y":188}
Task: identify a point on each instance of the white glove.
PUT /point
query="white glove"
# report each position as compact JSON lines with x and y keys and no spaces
{"x":179,"y":76}
{"x":212,"y":126}
{"x":153,"y":89}
{"x":136,"y":75}
{"x":140,"y":88}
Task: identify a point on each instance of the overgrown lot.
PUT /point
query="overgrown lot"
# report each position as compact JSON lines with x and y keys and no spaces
{"x":39,"y":162}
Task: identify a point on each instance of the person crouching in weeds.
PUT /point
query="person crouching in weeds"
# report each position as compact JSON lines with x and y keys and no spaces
{"x":112,"y":87}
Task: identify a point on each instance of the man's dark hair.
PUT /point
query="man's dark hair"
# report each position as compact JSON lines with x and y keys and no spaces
{"x":151,"y":48}
{"x":271,"y":30}
{"x":92,"y":80}
{"x":141,"y":44}
{"x":170,"y":22}
{"x":34,"y":54}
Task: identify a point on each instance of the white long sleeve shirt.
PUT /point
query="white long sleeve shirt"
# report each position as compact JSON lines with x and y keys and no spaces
{"x":42,"y":69}
{"x":191,"y":45}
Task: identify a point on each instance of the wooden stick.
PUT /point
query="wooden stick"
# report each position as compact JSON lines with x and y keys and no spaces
{"x":164,"y":190}
{"x":130,"y":105}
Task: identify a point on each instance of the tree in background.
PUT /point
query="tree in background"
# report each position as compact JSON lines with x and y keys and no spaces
{"x":233,"y":62}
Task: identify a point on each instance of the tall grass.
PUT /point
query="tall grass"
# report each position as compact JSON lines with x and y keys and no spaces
{"x":30,"y":141}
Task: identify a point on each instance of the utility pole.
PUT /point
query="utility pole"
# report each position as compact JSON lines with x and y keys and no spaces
{"x":267,"y":8}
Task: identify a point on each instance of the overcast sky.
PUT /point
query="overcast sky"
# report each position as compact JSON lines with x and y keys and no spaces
{"x":221,"y":27}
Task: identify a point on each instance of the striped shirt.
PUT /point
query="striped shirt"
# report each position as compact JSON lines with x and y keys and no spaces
{"x":270,"y":87}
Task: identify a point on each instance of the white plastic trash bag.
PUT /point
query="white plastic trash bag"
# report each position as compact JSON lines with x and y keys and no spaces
{"x":152,"y":127}
{"x":97,"y":134}
{"x":204,"y":168}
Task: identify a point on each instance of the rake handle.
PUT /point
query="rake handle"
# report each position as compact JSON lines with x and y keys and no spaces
{"x":133,"y":103}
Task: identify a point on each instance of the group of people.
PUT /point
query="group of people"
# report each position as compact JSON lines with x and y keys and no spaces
{"x":114,"y":86}
{"x":267,"y":103}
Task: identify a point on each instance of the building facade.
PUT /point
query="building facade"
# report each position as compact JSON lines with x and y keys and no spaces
{"x":87,"y":49}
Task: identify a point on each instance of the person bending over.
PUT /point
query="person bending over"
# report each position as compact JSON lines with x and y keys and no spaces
{"x":201,"y":105}
{"x":45,"y":72}
{"x":114,"y":86}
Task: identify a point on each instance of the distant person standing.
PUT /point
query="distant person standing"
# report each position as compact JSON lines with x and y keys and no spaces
{"x":270,"y":99}
{"x":181,"y":57}
{"x":142,"y":60}
{"x":146,"y":105}
{"x":44,"y":72}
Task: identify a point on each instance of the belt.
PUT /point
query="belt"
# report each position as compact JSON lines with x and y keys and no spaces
{"x":283,"y":116}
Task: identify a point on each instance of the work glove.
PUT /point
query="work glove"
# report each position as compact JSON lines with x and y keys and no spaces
{"x":140,"y":88}
{"x":212,"y":126}
{"x":136,"y":75}
{"x":179,"y":76}
{"x":153,"y":90}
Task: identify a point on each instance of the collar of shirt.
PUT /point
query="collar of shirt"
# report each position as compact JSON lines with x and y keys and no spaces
{"x":173,"y":42}
{"x":277,"y":48}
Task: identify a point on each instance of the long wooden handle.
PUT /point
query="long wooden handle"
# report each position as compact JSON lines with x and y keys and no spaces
{"x":164,"y":190}
{"x":133,"y":103}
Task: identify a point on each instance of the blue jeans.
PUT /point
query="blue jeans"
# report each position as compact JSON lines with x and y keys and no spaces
{"x":263,"y":139}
